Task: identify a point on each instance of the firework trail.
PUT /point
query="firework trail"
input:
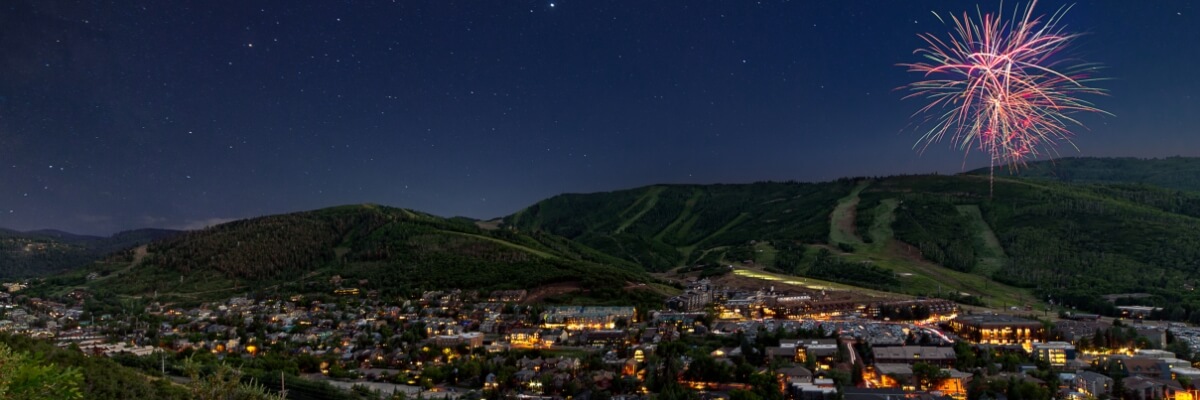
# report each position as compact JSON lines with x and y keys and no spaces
{"x":1001,"y":86}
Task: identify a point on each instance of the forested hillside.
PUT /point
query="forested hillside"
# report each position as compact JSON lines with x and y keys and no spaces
{"x":1028,"y":240}
{"x":664,"y":226}
{"x":1181,"y":173}
{"x":41,"y":253}
{"x":390,"y":250}
{"x":1070,"y":243}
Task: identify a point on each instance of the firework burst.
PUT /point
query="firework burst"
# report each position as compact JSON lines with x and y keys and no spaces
{"x":1002,"y":86}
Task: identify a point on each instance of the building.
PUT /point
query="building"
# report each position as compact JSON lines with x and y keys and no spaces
{"x":821,"y":351}
{"x":1142,"y":388}
{"x":1057,"y":354}
{"x":1146,"y":367}
{"x":586,"y":317}
{"x":998,"y":329}
{"x":1074,"y":330}
{"x":1186,"y":372}
{"x":1154,"y":353}
{"x":940,"y":356}
{"x":691,"y":300}
{"x":925,"y":307}
{"x":470,"y":339}
{"x":1092,"y":384}
{"x":893,"y":375}
{"x":525,"y":338}
{"x":1138,"y":312}
{"x":602,"y":338}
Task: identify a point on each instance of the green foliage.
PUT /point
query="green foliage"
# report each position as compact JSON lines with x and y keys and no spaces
{"x":765,"y":386}
{"x":100,"y":378}
{"x":1069,"y":243}
{"x":789,"y":255}
{"x":935,"y":227}
{"x":928,"y":376}
{"x":831,"y":268}
{"x":225,"y":383}
{"x":22,"y":377}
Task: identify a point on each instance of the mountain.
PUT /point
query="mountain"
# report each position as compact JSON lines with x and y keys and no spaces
{"x":1181,"y":173}
{"x":664,"y":226}
{"x":1068,"y":243}
{"x":367,"y":247}
{"x":1030,"y":241}
{"x":45,"y":252}
{"x":1014,"y":241}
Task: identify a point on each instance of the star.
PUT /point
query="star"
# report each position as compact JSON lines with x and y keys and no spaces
{"x":551,"y":5}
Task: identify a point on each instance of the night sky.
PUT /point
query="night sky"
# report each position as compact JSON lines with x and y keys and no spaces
{"x":178,"y":114}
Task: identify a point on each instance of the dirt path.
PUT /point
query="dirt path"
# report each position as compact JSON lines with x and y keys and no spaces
{"x":554,"y":289}
{"x":841,"y":220}
{"x":139,"y":254}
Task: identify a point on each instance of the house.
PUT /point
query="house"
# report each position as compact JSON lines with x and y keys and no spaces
{"x":796,"y":374}
{"x":1144,"y":367}
{"x":821,"y":350}
{"x":781,"y":353}
{"x":894,"y":375}
{"x":1142,"y":388}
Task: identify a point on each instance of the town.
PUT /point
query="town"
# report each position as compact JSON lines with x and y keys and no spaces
{"x":711,"y":341}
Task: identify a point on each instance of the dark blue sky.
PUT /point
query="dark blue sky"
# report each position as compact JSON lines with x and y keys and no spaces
{"x":116,"y":115}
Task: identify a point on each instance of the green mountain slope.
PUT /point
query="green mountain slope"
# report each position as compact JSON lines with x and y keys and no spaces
{"x":1181,"y":173}
{"x":1031,"y":242}
{"x":664,"y":226}
{"x":389,"y":250}
{"x":1068,"y":243}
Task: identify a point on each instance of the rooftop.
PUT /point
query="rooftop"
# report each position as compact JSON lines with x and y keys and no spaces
{"x":995,"y":320}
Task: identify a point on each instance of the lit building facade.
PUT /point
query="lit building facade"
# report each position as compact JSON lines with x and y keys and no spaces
{"x":1057,"y":354}
{"x":999,"y":329}
{"x":586,"y":317}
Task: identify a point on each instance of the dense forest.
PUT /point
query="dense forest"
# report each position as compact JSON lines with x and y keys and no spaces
{"x":862,"y":274}
{"x":40,"y":253}
{"x":1181,"y":173}
{"x":370,"y":248}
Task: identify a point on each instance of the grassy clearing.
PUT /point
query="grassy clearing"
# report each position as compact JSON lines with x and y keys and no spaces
{"x":921,"y":277}
{"x":991,"y":253}
{"x":686,"y":251}
{"x":917,"y":276}
{"x":764,"y":253}
{"x":805,"y":282}
{"x":881,"y":227}
{"x":841,"y":220}
{"x":684,"y":215}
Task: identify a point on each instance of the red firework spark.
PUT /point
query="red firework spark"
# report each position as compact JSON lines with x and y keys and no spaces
{"x":1002,"y":86}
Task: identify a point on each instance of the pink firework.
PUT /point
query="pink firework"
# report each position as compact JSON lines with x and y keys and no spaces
{"x":1002,"y":86}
